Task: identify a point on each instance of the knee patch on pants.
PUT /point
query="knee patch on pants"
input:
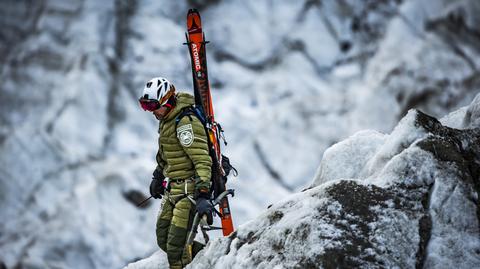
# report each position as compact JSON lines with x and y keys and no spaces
{"x":176,"y":243}
{"x":163,"y":226}
{"x":179,"y":225}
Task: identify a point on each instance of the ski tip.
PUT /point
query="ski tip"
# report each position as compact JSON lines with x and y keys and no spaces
{"x":194,"y":22}
{"x":192,"y":11}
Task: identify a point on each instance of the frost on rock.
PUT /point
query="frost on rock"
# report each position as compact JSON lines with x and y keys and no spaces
{"x":419,"y":209}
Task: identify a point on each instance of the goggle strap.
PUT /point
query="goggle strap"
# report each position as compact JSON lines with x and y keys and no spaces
{"x":166,"y":98}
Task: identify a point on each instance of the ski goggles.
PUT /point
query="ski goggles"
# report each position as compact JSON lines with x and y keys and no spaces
{"x":149,"y":104}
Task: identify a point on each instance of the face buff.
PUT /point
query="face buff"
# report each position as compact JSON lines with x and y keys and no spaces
{"x":185,"y":135}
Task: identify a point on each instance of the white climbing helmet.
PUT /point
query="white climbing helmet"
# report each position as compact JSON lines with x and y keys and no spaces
{"x":159,"y":89}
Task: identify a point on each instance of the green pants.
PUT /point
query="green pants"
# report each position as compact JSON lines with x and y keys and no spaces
{"x":174,"y":222}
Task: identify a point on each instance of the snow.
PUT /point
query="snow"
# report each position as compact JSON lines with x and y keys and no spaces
{"x":289,"y":217}
{"x":348,"y":158}
{"x":158,"y":260}
{"x":465,"y":117}
{"x":404,"y":134}
{"x":472,"y":116}
{"x":448,"y":205}
{"x":365,"y":153}
{"x":455,"y":119}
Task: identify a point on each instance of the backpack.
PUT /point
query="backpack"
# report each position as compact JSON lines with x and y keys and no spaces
{"x":216,"y":187}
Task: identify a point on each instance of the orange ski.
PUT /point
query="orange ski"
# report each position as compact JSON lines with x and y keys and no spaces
{"x":203,"y":101}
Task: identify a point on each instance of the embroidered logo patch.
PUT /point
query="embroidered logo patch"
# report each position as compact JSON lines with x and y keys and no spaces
{"x":185,"y":135}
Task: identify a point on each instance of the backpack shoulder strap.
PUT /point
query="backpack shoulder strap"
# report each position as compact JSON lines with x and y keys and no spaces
{"x":189,"y":111}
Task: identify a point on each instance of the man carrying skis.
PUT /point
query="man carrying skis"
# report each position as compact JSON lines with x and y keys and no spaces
{"x":183,"y":171}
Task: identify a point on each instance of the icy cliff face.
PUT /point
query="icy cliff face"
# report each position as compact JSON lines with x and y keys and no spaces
{"x":290,"y":79}
{"x":428,"y":59}
{"x":64,"y":191}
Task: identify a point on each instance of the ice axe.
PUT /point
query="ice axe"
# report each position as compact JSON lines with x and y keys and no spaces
{"x":204,"y":227}
{"x":142,"y":202}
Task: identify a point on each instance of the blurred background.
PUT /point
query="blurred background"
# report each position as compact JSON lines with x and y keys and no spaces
{"x":289,"y":79}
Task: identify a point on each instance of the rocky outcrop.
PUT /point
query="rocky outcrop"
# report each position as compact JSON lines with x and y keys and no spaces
{"x":414,"y":205}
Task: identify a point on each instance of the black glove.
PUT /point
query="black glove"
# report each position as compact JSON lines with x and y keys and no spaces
{"x":204,"y":207}
{"x":158,"y":174}
{"x":156,"y":186}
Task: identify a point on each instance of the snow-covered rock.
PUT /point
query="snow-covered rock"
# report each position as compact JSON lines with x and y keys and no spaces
{"x":418,"y":207}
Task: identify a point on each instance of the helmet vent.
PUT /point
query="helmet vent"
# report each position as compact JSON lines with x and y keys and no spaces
{"x":149,"y":84}
{"x":158,"y":82}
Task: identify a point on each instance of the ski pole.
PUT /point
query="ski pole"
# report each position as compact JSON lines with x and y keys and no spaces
{"x":142,"y":202}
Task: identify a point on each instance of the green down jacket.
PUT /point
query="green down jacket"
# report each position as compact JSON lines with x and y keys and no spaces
{"x":183,"y":148}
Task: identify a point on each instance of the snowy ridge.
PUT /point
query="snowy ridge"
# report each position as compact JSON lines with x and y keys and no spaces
{"x":417,"y":207}
{"x":409,"y":199}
